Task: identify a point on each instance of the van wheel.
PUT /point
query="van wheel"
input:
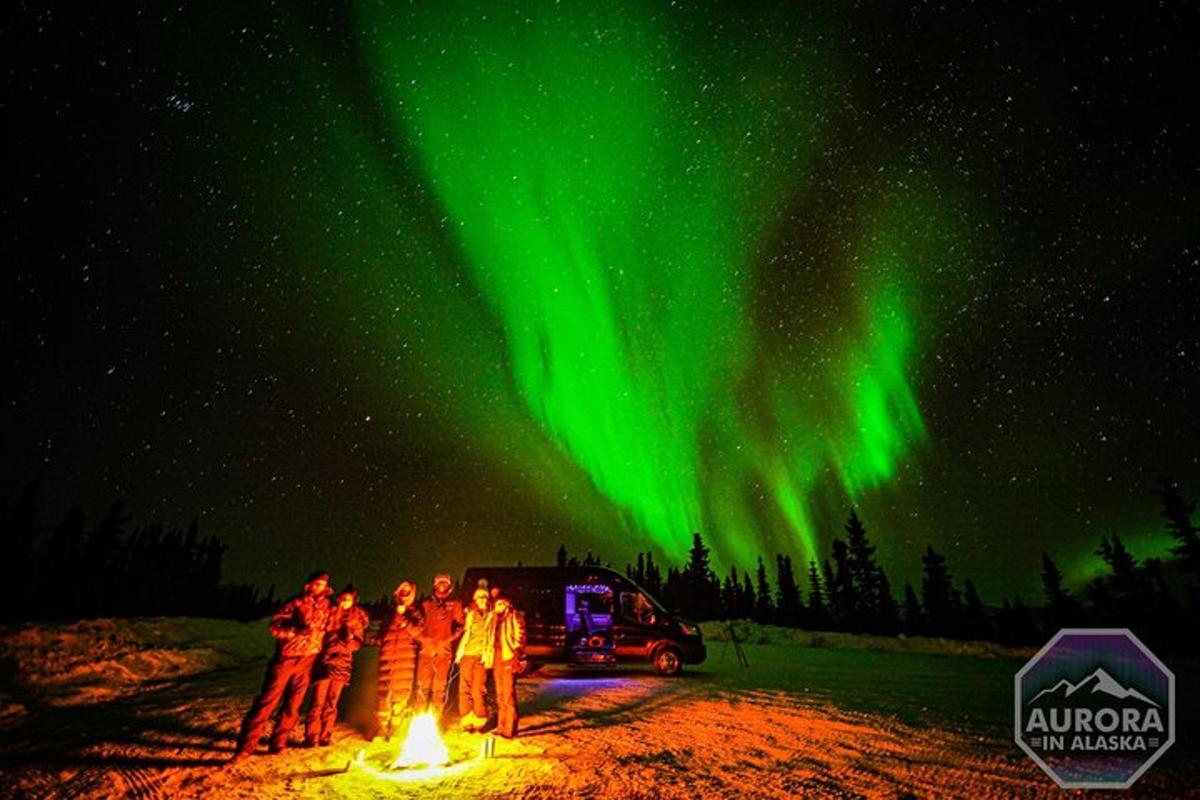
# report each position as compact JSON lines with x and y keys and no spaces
{"x":667,"y":661}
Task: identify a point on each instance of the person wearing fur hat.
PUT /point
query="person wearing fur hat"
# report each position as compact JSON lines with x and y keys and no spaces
{"x":299,"y":631}
{"x":443,"y":618}
{"x":398,"y":640}
{"x":344,"y":635}
{"x":472,"y":676}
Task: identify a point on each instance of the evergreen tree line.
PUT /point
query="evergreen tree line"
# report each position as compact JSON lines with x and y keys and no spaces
{"x":72,"y":571}
{"x":849,"y":591}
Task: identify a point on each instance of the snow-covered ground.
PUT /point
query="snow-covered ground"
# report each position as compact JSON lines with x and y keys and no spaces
{"x":149,"y":709}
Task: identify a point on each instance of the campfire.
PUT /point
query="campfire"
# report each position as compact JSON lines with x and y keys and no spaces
{"x":423,"y":746}
{"x":423,"y":755}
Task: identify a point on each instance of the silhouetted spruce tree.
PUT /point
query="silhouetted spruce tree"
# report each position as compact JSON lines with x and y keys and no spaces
{"x":764,"y":611}
{"x":640,"y":575}
{"x":1121,"y":598}
{"x":939,"y":601}
{"x":654,"y":582}
{"x":817,"y":615}
{"x":873,"y":607}
{"x":674,"y":594}
{"x":829,"y":579}
{"x":212,"y":554}
{"x":864,"y":582}
{"x":746,"y":611}
{"x":1160,"y":620}
{"x":560,"y":558}
{"x":887,"y":618}
{"x":1014,"y":624}
{"x":975,"y":624}
{"x":1061,"y":609}
{"x":1178,"y":513}
{"x":729,"y":595}
{"x":840,"y":587}
{"x":17,"y":554}
{"x":62,"y":558}
{"x":703,"y":588}
{"x":788,"y":606}
{"x":914,"y":619}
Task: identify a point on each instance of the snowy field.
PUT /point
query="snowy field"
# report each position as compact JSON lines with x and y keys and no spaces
{"x":149,"y":709}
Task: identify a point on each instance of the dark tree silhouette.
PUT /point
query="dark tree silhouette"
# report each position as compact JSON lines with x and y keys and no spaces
{"x":62,"y":557}
{"x":654,"y":582}
{"x":939,"y":601}
{"x":914,"y":619}
{"x":816,"y":597}
{"x":1061,"y":609}
{"x":109,"y":571}
{"x":1015,"y":626}
{"x":702,"y":588}
{"x":764,"y":610}
{"x":788,"y":606}
{"x":840,"y":587}
{"x":975,"y":624}
{"x":17,"y":540}
{"x":731,"y":590}
{"x":1178,"y":513}
{"x":887,"y":614}
{"x":746,"y":609}
{"x":560,"y":558}
{"x":861,"y":566}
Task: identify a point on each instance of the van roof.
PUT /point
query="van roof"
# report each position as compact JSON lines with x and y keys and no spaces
{"x":547,"y":571}
{"x":565,"y":573}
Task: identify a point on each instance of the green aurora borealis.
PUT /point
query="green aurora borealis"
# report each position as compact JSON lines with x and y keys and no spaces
{"x":393,"y":288}
{"x":610,"y":199}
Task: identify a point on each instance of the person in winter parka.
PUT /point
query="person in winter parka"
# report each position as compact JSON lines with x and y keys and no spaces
{"x":472,"y":675}
{"x":443,"y":620}
{"x":344,"y":635}
{"x":505,"y":657}
{"x":299,"y":631}
{"x":398,"y":640}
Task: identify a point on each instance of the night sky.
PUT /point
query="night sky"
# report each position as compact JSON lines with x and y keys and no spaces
{"x":396,"y":290}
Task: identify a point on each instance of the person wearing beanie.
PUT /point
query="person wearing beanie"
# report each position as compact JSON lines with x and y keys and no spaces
{"x":443,"y":621}
{"x":472,"y":676}
{"x":299,"y":631}
{"x":397,"y":640}
{"x":344,"y":635}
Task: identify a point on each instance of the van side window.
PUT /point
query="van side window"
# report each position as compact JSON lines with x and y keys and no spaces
{"x":636,"y":609}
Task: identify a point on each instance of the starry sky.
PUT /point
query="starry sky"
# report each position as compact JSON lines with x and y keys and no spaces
{"x":393,"y":289}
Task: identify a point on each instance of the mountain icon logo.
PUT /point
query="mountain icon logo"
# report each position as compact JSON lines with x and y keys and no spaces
{"x":1097,"y":682}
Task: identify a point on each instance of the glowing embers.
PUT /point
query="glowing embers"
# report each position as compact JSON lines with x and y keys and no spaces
{"x":423,"y":746}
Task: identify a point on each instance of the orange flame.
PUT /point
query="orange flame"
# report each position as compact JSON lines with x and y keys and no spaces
{"x":423,"y":745}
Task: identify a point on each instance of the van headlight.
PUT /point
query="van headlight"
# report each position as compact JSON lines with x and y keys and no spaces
{"x":689,"y":630}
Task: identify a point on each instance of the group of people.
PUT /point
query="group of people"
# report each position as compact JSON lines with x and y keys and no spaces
{"x":418,"y":641}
